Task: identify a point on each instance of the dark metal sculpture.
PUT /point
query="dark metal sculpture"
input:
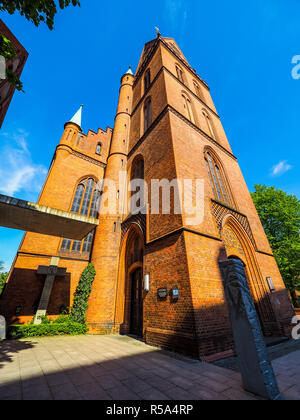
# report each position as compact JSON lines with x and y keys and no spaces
{"x":257,"y":372}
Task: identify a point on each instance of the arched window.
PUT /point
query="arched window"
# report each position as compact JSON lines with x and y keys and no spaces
{"x":209,"y":124}
{"x":147,"y":80}
{"x":188,"y":109}
{"x":198,"y":90}
{"x":147,"y":114}
{"x":99,"y":148}
{"x":180,"y":74}
{"x":86,"y":202}
{"x":138,"y":173}
{"x":217,"y":179}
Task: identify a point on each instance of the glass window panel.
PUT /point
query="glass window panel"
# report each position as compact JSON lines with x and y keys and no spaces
{"x":211,"y":181}
{"x":87,"y":197}
{"x":87,"y":245}
{"x":95,"y":204}
{"x":66,"y":244}
{"x":221,"y":184}
{"x":78,"y":198}
{"x":212,"y":167}
{"x":76,"y":246}
{"x":98,"y":150}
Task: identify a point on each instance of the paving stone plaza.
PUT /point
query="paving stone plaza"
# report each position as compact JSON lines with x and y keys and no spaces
{"x":121,"y":368}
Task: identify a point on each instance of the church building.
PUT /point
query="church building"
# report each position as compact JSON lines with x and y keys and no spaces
{"x":157,"y":275}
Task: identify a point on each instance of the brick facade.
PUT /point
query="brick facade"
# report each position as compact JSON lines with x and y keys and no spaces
{"x":185,"y":126}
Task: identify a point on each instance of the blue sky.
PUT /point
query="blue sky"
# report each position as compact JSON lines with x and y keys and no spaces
{"x":243,"y":50}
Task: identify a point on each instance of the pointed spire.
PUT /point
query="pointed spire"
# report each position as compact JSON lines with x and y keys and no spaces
{"x":77,"y":117}
{"x":129,"y":71}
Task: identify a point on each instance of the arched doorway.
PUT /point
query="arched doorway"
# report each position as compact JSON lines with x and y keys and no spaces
{"x":238,"y":245}
{"x":130,"y":294}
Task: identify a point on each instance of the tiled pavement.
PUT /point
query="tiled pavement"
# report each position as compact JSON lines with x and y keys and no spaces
{"x":120,"y":368}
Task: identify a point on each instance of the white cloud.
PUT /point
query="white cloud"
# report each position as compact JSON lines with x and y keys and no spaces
{"x":281,"y":168}
{"x":17,"y":171}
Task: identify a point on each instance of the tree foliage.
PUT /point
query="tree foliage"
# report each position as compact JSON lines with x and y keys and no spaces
{"x":82,"y":294}
{"x":280,"y":216}
{"x":3,"y":278}
{"x":37,"y":11}
{"x":8,"y":52}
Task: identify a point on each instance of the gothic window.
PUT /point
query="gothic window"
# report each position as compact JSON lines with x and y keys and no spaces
{"x":87,"y":244}
{"x":188,"y":109}
{"x":78,"y":197}
{"x":87,"y":197}
{"x":209,"y":124}
{"x":98,"y":150}
{"x":86,"y":201}
{"x":138,"y":172}
{"x":217,"y":179}
{"x":180,"y":74}
{"x":197,"y":90}
{"x":147,"y":114}
{"x":147,"y":80}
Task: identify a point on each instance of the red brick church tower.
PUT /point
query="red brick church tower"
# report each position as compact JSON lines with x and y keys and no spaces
{"x":166,"y":128}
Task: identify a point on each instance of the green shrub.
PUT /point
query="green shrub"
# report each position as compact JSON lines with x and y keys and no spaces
{"x":62,"y":319}
{"x":43,"y":330}
{"x":44,"y":320}
{"x":82,"y":294}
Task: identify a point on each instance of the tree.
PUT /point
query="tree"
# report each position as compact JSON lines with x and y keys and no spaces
{"x":280,"y":216}
{"x":8,"y":52}
{"x":82,"y":294}
{"x":3,"y":278}
{"x":36,"y":11}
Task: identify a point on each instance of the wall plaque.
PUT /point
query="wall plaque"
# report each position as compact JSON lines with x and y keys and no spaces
{"x":162,"y":293}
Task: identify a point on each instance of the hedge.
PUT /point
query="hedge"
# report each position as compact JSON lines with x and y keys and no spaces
{"x":24,"y":331}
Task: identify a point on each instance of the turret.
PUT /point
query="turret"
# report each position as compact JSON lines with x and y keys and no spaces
{"x":72,"y":128}
{"x":105,"y":255}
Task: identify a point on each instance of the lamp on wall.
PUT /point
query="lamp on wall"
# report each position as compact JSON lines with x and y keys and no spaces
{"x":147,"y":282}
{"x":271,"y":284}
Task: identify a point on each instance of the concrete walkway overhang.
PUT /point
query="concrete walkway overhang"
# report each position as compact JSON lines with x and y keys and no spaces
{"x":32,"y":217}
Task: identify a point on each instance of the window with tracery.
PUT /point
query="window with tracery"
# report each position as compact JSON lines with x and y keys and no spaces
{"x":85,"y":203}
{"x":217,"y":179}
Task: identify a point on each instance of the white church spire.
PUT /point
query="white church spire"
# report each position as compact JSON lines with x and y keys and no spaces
{"x":129,"y":71}
{"x":77,"y":117}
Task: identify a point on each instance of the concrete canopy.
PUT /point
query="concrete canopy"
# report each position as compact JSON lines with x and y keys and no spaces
{"x":31,"y":217}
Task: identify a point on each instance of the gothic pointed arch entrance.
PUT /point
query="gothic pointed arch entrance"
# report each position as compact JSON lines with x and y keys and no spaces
{"x":130,"y":295}
{"x":239,"y":245}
